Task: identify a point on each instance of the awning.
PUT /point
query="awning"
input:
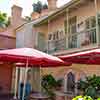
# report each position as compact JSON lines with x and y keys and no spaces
{"x":34,"y":57}
{"x":85,"y":57}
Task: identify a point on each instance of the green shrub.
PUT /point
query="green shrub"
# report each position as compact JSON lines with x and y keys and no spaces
{"x":90,"y":86}
{"x":82,"y":98}
{"x":49,"y":84}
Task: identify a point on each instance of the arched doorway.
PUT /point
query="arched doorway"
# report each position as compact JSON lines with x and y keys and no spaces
{"x":70,"y":82}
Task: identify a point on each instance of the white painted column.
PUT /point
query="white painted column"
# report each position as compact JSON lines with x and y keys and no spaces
{"x":48,"y":36}
{"x":67,"y":34}
{"x":40,"y":80}
{"x":16,"y":83}
{"x":20,"y":80}
{"x":97,"y":27}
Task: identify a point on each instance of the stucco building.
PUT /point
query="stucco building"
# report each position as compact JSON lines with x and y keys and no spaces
{"x":72,"y":28}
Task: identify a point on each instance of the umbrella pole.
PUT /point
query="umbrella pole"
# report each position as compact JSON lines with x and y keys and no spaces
{"x":20,"y":80}
{"x":15,"y":89}
{"x":23,"y":95}
{"x":40,"y":78}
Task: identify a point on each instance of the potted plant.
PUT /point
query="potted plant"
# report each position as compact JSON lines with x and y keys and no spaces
{"x":90,"y":86}
{"x":50,"y":84}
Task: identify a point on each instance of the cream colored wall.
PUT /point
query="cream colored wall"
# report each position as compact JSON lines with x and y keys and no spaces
{"x":56,"y":24}
{"x":78,"y":69}
{"x":58,"y":72}
{"x":98,"y":5}
{"x":83,"y":12}
{"x":42,"y":29}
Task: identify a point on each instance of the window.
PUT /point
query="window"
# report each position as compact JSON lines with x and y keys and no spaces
{"x":93,"y":22}
{"x":57,"y":40}
{"x":65,"y":26}
{"x":90,"y":22}
{"x":72,"y":41}
{"x":87,"y":24}
{"x":72,"y":25}
{"x":41,"y":41}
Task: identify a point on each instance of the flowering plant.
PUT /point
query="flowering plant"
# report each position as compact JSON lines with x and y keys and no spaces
{"x":78,"y":97}
{"x":82,"y":98}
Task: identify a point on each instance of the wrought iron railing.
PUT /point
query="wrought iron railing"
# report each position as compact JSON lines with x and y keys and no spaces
{"x":56,"y":45}
{"x":83,"y":38}
{"x":76,"y":40}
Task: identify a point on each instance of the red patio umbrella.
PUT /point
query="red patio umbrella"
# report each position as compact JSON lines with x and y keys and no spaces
{"x":85,"y":57}
{"x":30,"y":56}
{"x":34,"y":57}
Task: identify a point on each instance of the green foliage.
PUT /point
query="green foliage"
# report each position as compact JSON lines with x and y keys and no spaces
{"x":82,"y":98}
{"x":4,"y":21}
{"x":49,"y":83}
{"x":37,"y":7}
{"x":87,"y":98}
{"x":90,"y":86}
{"x":98,"y":98}
{"x":28,"y":18}
{"x":77,"y":97}
{"x":45,"y":6}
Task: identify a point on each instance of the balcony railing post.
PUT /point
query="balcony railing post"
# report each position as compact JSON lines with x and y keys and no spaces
{"x":47,"y":36}
{"x":67,"y":34}
{"x":97,"y":27}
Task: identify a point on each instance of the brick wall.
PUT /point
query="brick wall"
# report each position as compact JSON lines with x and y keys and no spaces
{"x":7,"y":42}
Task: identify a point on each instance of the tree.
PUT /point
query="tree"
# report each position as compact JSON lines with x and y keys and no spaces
{"x":27,"y":18}
{"x":4,"y":21}
{"x":49,"y":84}
{"x":90,"y":86}
{"x":37,"y":7}
{"x":45,"y":6}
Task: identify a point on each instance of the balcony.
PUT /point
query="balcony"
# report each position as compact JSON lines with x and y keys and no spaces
{"x":56,"y":45}
{"x":81,"y":39}
{"x":80,"y":36}
{"x":73,"y":41}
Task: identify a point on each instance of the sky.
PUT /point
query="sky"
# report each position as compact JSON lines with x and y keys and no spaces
{"x":5,"y":5}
